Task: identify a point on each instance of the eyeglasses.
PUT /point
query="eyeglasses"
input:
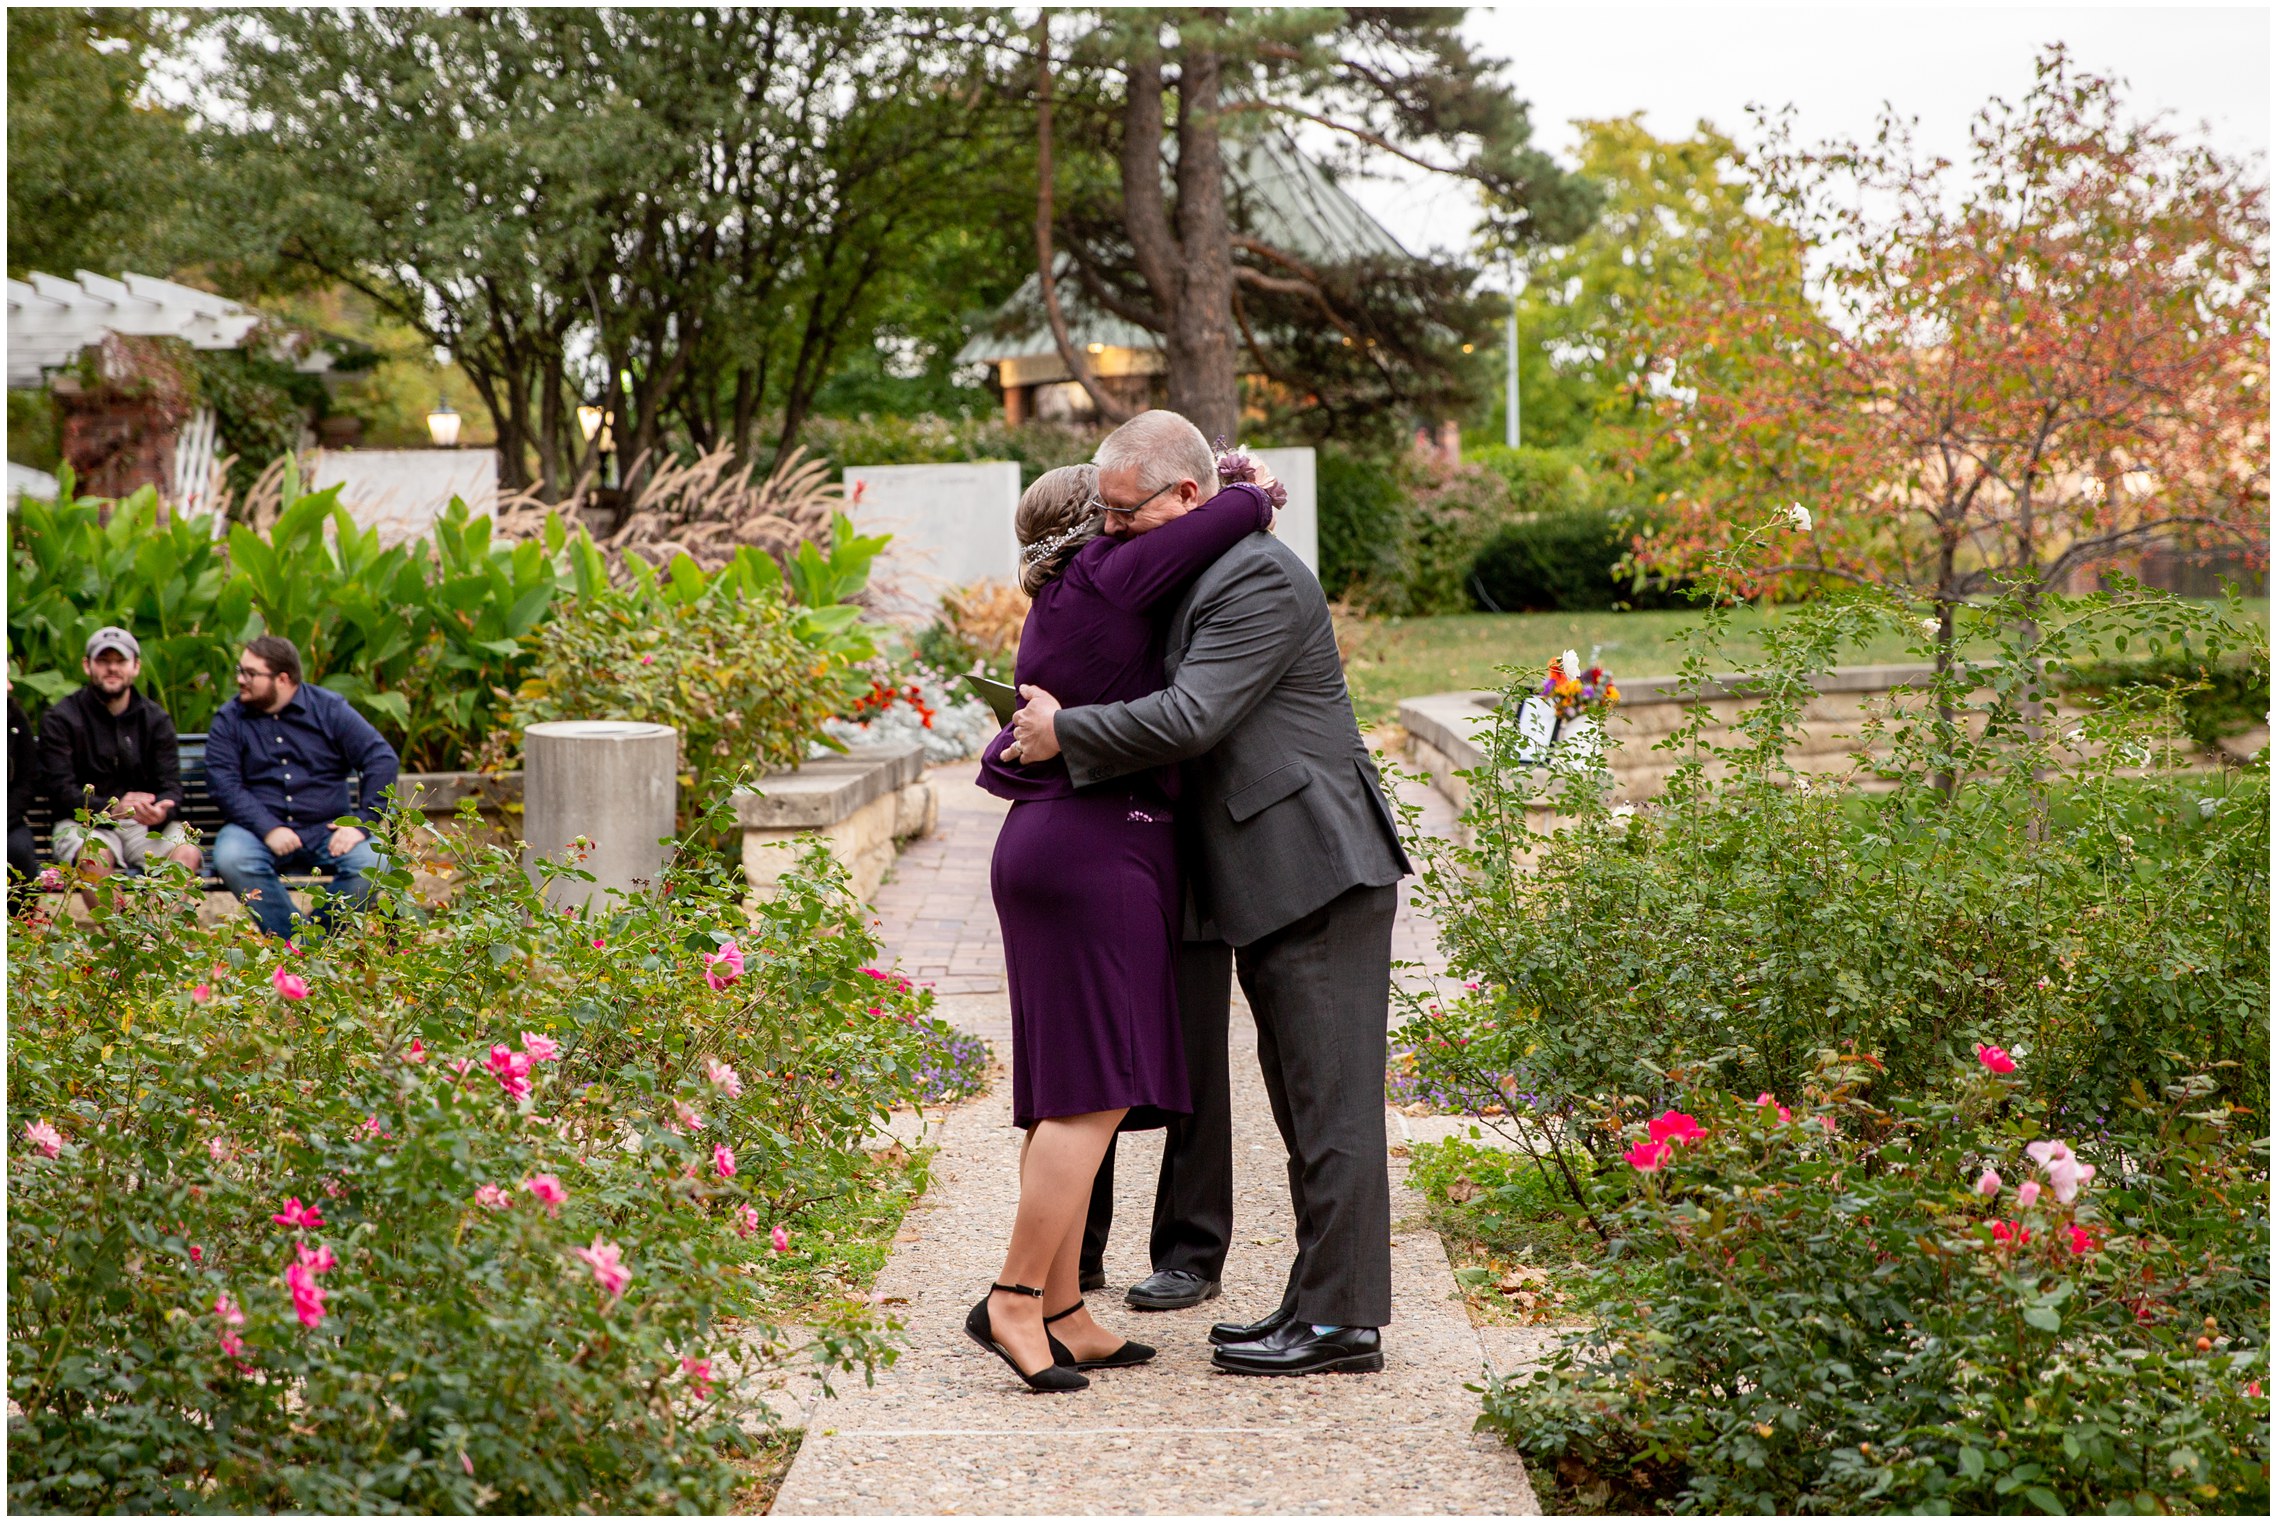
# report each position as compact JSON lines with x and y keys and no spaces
{"x":248,"y":674}
{"x":1099,"y":504}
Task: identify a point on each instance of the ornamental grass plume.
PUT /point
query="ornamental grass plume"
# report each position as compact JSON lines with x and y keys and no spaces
{"x":607,"y":1263}
{"x":730,"y":957}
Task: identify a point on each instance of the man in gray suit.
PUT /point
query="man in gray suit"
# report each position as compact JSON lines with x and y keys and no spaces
{"x":1293,"y":861}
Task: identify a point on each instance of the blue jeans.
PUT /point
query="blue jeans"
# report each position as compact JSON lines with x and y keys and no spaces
{"x":255,"y":874}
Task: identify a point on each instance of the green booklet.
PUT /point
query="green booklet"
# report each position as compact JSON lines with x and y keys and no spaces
{"x":999,"y":696}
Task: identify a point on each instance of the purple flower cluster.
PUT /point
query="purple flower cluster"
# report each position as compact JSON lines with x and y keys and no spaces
{"x":1236,"y":465}
{"x":954,"y":1065}
{"x":1411,"y":1078}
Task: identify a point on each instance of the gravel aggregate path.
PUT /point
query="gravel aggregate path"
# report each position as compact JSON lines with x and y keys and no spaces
{"x":949,"y":1430}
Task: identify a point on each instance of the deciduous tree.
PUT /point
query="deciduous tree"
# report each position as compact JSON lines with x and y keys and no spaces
{"x":2042,"y":361}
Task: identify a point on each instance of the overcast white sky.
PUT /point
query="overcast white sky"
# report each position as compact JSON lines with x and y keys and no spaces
{"x":1837,"y":64}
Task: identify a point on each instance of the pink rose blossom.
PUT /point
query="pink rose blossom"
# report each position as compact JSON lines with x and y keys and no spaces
{"x":684,"y":1117}
{"x":609,"y":1272}
{"x":548,"y":1189}
{"x":297,"y":1215}
{"x":730,"y":957}
{"x":1765,"y":1099}
{"x":201,"y":992}
{"x":600,"y":943}
{"x":2064,"y":1170}
{"x":746,"y":1221}
{"x":1674,"y":1126}
{"x":699,"y":1373}
{"x":465,"y":1464}
{"x":40,"y":1134}
{"x":372,"y":1128}
{"x":334,"y":1188}
{"x":510,"y":1068}
{"x":197,"y":1254}
{"x":1648,"y":1157}
{"x":226,"y":1309}
{"x":2028,"y":1194}
{"x":492,"y":1198}
{"x":1828,"y":1123}
{"x":2253,"y":1389}
{"x":723,"y":1159}
{"x":2082,"y":1240}
{"x":723,"y":1078}
{"x":780,"y":1239}
{"x":51,"y":879}
{"x":542,"y":1049}
{"x":317,"y":1260}
{"x":416,"y":1052}
{"x":216,"y":1149}
{"x":289,"y":984}
{"x":300,"y":1278}
{"x":2011,"y":1232}
{"x":1996,"y":1059}
{"x":1988,"y":1183}
{"x":459,"y":1066}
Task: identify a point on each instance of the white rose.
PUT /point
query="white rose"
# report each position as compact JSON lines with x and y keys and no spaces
{"x":1801,"y":515}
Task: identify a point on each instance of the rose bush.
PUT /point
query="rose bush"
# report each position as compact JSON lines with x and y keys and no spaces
{"x":450,"y":1214}
{"x":1852,"y":1303}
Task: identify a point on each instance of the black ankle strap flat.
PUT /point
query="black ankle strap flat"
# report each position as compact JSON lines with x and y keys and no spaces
{"x":1121,"y":1359}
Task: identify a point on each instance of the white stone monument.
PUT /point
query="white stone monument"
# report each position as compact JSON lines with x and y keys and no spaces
{"x":613,"y":782}
{"x":1299,"y":522}
{"x":951,"y":526}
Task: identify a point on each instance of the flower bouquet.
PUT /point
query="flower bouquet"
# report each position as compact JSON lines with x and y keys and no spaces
{"x":1575,"y":691}
{"x":1239,"y":465}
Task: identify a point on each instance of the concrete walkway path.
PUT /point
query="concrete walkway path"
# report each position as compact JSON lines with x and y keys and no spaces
{"x":949,"y":1429}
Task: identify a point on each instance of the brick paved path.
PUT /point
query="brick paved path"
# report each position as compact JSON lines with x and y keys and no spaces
{"x":948,"y":1430}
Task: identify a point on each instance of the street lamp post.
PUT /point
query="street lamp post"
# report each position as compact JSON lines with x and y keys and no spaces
{"x":592,"y":420}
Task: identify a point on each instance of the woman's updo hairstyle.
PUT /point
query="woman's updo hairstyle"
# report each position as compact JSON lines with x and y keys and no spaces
{"x":1055,"y":520}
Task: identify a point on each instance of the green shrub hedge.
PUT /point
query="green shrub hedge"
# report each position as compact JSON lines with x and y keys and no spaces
{"x":468,"y":1214}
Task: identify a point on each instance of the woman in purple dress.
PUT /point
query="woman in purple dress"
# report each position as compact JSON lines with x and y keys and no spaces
{"x":1088,"y":895}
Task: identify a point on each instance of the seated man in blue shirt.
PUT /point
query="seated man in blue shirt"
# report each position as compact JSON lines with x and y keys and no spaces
{"x":277,"y":762}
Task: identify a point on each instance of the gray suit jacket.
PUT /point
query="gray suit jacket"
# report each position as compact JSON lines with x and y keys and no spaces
{"x":1283,"y":807}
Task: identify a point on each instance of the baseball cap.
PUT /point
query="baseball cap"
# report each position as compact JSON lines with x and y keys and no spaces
{"x":111,"y":637}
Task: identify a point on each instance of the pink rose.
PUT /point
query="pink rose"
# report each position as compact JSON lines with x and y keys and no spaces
{"x":43,"y":1136}
{"x":1996,"y":1059}
{"x":1648,"y":1157}
{"x":492,"y":1198}
{"x":216,"y":1149}
{"x":541,"y":1049}
{"x":699,"y":1373}
{"x":201,"y":992}
{"x":2028,"y":1194}
{"x":607,"y":1263}
{"x":416,"y":1052}
{"x":510,"y":1068}
{"x":1765,"y":1099}
{"x":730,"y":957}
{"x":723,"y":1159}
{"x":1674,"y":1126}
{"x":780,"y":1239}
{"x":746,"y":1221}
{"x":548,"y":1189}
{"x":197,"y":1254}
{"x":2064,"y":1170}
{"x":684,"y":1117}
{"x":600,"y":943}
{"x":297,"y":1215}
{"x":1988,"y":1183}
{"x":289,"y":984}
{"x":723,"y":1078}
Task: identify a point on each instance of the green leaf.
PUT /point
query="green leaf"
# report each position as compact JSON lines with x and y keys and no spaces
{"x":2044,"y":1318}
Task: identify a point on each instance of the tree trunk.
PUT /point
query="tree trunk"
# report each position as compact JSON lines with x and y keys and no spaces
{"x":1205,"y":380}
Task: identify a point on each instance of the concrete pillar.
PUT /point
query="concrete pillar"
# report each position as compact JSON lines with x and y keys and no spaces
{"x":611,"y":781}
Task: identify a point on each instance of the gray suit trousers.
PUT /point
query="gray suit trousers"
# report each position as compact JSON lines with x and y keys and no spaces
{"x":1320,"y":988}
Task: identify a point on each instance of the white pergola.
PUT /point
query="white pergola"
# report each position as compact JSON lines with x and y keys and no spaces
{"x":50,"y":319}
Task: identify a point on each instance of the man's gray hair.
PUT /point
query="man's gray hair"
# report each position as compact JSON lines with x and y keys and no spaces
{"x":1165,"y":447}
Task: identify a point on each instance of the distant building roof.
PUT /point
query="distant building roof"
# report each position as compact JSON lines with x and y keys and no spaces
{"x":51,"y":319}
{"x":1279,"y":196}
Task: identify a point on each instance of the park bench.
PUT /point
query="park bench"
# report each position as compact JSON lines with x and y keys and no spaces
{"x":198,"y":811}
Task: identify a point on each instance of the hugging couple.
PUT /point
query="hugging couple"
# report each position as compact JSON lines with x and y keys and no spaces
{"x":1190,"y":798}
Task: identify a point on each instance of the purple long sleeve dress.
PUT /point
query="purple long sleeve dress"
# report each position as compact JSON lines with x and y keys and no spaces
{"x":1086,"y":883}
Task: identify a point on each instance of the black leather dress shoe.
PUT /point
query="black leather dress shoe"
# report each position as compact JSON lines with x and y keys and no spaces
{"x":1295,"y":1349}
{"x":1090,"y":1280}
{"x":1170,"y":1290}
{"x":1222,"y":1333}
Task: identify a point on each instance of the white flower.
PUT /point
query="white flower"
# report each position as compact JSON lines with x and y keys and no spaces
{"x":1930,"y":627}
{"x":1802,"y":783}
{"x":1572,"y":665}
{"x":2206,"y":808}
{"x":1801,"y":516}
{"x":1624,"y":811}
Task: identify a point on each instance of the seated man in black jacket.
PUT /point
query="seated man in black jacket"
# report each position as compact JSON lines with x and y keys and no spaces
{"x":277,"y":762}
{"x":23,"y":768}
{"x":109,"y":752}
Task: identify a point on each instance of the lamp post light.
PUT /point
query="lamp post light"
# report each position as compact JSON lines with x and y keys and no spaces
{"x":443,"y":425}
{"x":594,"y":420}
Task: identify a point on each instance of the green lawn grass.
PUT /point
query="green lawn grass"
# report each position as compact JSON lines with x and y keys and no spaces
{"x":1405,"y":658}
